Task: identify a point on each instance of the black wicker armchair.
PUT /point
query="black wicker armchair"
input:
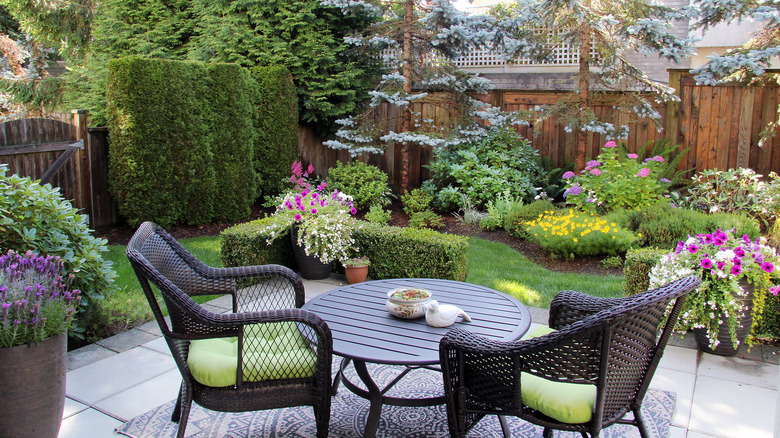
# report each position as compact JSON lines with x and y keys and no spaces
{"x":586,"y":374}
{"x":267,"y":354}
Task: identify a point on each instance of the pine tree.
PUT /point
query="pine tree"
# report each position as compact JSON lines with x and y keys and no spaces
{"x":603,"y":31}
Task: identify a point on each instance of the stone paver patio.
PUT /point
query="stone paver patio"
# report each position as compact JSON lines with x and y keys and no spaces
{"x":121,"y":377}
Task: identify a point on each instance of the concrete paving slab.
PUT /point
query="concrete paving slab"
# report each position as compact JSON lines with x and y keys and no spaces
{"x":683,"y":385}
{"x":72,"y":407}
{"x":87,"y":355}
{"x":739,"y":370}
{"x":115,"y":374}
{"x":730,"y":409}
{"x":89,"y":423}
{"x":143,"y":397}
{"x":680,"y":359}
{"x":126,"y":340}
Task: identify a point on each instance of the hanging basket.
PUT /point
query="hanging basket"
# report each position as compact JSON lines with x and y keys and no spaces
{"x":33,"y":380}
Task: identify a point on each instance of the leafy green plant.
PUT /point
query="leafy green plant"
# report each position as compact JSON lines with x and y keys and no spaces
{"x":470,"y":216}
{"x":376,"y":214}
{"x":515,"y":220}
{"x":613,"y":181}
{"x":37,"y":218}
{"x":490,"y":223}
{"x":416,"y":201}
{"x":366,"y":184}
{"x":425,"y":219}
{"x":636,"y":269}
{"x":612,"y":262}
{"x":572,"y":233}
{"x":552,"y":185}
{"x":502,"y":161}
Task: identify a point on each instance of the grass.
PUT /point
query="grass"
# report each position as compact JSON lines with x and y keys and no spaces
{"x":490,"y":264}
{"x":498,"y":266}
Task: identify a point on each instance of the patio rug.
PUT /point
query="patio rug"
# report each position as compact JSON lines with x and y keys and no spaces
{"x":348,"y":416}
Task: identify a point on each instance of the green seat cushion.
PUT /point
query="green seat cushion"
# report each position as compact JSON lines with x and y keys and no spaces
{"x":565,"y":402}
{"x":271,"y":351}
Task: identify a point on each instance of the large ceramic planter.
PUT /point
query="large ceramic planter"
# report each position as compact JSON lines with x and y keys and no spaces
{"x":32,"y":378}
{"x":726,"y":347}
{"x":310,"y":267}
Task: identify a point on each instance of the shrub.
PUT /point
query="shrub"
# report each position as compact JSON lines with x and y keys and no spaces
{"x":669,"y":169}
{"x":366,"y":184}
{"x":247,"y":244}
{"x":397,"y":252}
{"x":769,"y":324}
{"x":570,"y":233}
{"x":490,"y":223}
{"x":514,"y":221}
{"x":275,"y":127}
{"x":503,"y":160}
{"x":425,"y":219}
{"x":417,"y":204}
{"x":37,"y":218}
{"x":376,"y":214}
{"x":636,"y":268}
{"x":614,"y":181}
{"x":500,"y":209}
{"x":181,"y":141}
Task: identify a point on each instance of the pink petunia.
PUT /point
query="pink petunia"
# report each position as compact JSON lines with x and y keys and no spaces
{"x":297,"y":217}
{"x":768,"y":267}
{"x":313,"y":211}
{"x":774,"y":290}
{"x":693,"y":249}
{"x":736,"y":270}
{"x":706,"y":263}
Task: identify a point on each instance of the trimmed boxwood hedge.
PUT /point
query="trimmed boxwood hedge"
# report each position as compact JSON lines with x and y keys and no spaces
{"x":636,"y":269}
{"x":394,"y":252}
{"x":181,"y":141}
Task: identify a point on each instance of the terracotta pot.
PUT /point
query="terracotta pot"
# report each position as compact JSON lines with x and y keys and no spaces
{"x":356,"y":274}
{"x":33,"y":382}
{"x":310,"y":267}
{"x":742,"y":330}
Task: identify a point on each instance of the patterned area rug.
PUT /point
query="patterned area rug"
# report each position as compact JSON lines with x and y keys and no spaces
{"x":349,"y":412}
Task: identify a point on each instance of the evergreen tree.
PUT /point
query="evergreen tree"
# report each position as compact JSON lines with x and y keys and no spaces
{"x":603,"y":31}
{"x":749,"y":63}
{"x":427,"y":36}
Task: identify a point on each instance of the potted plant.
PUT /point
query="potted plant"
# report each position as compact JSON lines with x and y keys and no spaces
{"x":36,"y":311}
{"x":356,"y":269}
{"x":736,"y":274}
{"x":320,"y":223}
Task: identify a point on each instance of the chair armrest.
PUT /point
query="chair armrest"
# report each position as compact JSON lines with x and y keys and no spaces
{"x":570,"y":306}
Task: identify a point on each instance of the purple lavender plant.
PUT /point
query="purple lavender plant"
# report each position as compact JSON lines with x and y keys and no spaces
{"x":35,"y":300}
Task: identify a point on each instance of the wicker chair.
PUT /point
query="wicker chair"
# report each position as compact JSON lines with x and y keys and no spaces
{"x":592,"y":369}
{"x":267,"y":354}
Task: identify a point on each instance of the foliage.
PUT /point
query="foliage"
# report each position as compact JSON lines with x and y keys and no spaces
{"x":614,"y":181}
{"x":36,"y":300}
{"x":357,"y":262}
{"x":181,"y":139}
{"x":514,"y":222}
{"x":37,"y":218}
{"x":275,"y":126}
{"x":502,"y":161}
{"x":412,"y":253}
{"x":721,"y":260}
{"x":571,"y":233}
{"x":769,"y":325}
{"x":534,"y":28}
{"x":247,"y":245}
{"x":376,"y":214}
{"x":669,"y":169}
{"x":366,"y":184}
{"x":490,"y":223}
{"x":323,"y":219}
{"x":471,"y":216}
{"x":612,"y":262}
{"x":551,"y":185}
{"x":417,"y":204}
{"x":735,"y":190}
{"x":636,"y":269}
{"x":425,"y":219}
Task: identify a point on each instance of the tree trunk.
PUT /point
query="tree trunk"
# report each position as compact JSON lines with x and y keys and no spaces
{"x":584,"y":95}
{"x":407,"y":110}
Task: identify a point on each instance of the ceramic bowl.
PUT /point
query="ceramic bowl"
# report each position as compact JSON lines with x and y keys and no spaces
{"x":407,"y":308}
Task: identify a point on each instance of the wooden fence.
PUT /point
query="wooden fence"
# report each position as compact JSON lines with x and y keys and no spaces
{"x":720,"y":125}
{"x":64,"y":152}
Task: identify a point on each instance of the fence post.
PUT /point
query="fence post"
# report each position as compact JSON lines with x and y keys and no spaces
{"x":745,"y":125}
{"x":80,"y":117}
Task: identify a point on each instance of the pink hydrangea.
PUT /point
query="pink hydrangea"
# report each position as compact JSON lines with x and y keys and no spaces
{"x":610,"y":144}
{"x":633,"y":156}
{"x":643,"y":172}
{"x":595,"y":172}
{"x":568,"y":175}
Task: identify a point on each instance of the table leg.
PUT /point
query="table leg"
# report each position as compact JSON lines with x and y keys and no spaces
{"x":372,"y":422}
{"x":339,"y":375}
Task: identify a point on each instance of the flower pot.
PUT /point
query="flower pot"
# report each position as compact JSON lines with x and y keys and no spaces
{"x":726,"y":347}
{"x":356,"y":274}
{"x":310,"y":267}
{"x":33,"y":381}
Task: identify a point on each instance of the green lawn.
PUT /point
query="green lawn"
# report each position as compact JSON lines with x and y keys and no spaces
{"x":490,"y":264}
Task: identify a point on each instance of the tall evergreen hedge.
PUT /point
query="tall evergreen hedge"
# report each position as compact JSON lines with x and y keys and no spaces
{"x":276,"y":127}
{"x":181,"y":141}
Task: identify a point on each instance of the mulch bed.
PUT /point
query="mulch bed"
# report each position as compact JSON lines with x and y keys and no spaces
{"x":121,"y":235}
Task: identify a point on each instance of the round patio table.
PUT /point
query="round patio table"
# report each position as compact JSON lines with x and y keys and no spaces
{"x":364,"y":332}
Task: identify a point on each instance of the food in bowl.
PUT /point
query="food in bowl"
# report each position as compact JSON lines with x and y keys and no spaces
{"x":408,"y":302}
{"x":410,"y":294}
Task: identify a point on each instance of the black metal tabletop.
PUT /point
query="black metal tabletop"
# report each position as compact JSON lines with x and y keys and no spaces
{"x":363,"y":329}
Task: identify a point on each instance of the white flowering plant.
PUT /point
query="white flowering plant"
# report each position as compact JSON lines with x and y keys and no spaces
{"x":724,"y":263}
{"x":324,"y":220}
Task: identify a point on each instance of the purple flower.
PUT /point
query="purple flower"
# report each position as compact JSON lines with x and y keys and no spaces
{"x":568,"y":175}
{"x":665,"y":181}
{"x":297,"y":217}
{"x":739,"y":252}
{"x":573,"y":190}
{"x":774,"y":290}
{"x":353,"y":210}
{"x":721,"y":265}
{"x":593,"y":163}
{"x":706,"y":263}
{"x":322,"y":186}
{"x":737,"y":261}
{"x":313,"y":211}
{"x":595,"y":172}
{"x":680,"y":247}
{"x":709,"y":239}
{"x":610,"y":144}
{"x":736,"y":270}
{"x":693,"y":248}
{"x":643,"y":172}
{"x":633,"y":156}
{"x":658,"y":158}
{"x":768,"y":267}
